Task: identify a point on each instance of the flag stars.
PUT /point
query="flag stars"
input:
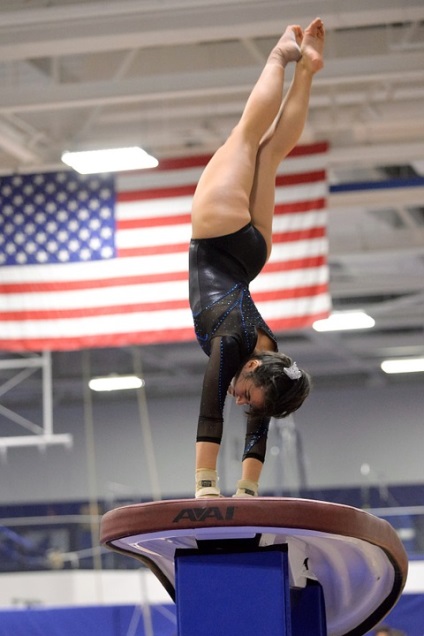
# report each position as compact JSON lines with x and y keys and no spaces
{"x":107,"y":252}
{"x":105,"y":213}
{"x":41,"y":237}
{"x":6,"y":191}
{"x":62,"y":197}
{"x":51,"y":227}
{"x":72,"y":186}
{"x":63,"y":256}
{"x":105,"y":194}
{"x":62,"y":216}
{"x":94,"y":184}
{"x":62,"y":236}
{"x":17,"y":181}
{"x":40,"y":218}
{"x":10,"y":248}
{"x":30,"y":228}
{"x":83,"y":214}
{"x":21,"y":258}
{"x":95,"y":243}
{"x":9,"y":228}
{"x":94,"y":204}
{"x":83,"y":195}
{"x":50,"y":187}
{"x":84,"y":234}
{"x":31,"y":247}
{"x":94,"y":224}
{"x":39,"y":179}
{"x":106,"y":233}
{"x":39,"y":199}
{"x":42,"y":257}
{"x":56,"y":218}
{"x":73,"y":225}
{"x":52,"y":246}
{"x":19,"y":218}
{"x":85,"y":254}
{"x":73,"y":245}
{"x":51,"y":207}
{"x":28,"y":189}
{"x":20,"y":238}
{"x":18,"y":200}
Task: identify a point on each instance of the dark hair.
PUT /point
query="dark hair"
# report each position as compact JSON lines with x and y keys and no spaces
{"x":282,"y":394}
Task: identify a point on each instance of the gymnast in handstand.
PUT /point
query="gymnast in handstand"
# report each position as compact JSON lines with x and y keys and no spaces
{"x":232,"y":215}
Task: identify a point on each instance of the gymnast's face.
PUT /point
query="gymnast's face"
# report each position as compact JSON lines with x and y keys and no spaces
{"x":244,"y":390}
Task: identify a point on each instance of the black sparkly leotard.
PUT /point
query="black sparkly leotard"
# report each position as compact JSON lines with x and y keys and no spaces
{"x":226,"y":323}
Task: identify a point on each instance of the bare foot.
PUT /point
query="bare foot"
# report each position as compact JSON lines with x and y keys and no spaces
{"x":312,"y":46}
{"x":288,"y":46}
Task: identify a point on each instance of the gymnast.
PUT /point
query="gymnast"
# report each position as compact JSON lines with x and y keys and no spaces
{"x":232,"y":214}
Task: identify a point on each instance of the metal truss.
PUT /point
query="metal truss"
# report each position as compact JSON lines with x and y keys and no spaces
{"x":38,"y":435}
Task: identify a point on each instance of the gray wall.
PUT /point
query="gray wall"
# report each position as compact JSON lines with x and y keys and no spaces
{"x":340,"y":430}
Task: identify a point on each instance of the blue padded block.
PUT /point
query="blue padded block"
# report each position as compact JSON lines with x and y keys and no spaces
{"x":233,"y":593}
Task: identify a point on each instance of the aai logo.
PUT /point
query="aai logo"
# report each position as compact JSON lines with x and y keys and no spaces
{"x":204,"y":514}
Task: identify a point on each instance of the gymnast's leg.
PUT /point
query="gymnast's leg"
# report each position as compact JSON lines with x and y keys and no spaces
{"x":222,"y":198}
{"x":286,"y":130}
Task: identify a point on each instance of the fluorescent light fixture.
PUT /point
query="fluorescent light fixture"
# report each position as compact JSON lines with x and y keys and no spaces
{"x":403,"y":365}
{"x":344,"y":320}
{"x":109,"y":160}
{"x":116,"y":383}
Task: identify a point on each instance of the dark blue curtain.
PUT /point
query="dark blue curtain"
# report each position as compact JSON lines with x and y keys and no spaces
{"x":407,"y":615}
{"x":85,"y":621}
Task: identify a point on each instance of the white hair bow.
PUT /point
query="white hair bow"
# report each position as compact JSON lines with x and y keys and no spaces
{"x":293,"y":371}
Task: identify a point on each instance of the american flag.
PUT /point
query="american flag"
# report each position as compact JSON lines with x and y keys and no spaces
{"x":101,"y":260}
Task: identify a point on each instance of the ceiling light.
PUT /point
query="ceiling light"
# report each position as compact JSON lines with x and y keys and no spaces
{"x":344,"y":320}
{"x":116,"y":383}
{"x":109,"y":160}
{"x":403,"y":365}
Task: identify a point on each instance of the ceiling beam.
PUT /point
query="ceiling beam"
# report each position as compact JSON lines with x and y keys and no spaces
{"x":197,"y":84}
{"x":96,"y":26}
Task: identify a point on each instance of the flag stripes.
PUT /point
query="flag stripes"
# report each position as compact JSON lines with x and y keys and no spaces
{"x":139,"y":294}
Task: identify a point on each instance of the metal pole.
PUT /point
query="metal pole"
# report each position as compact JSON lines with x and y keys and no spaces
{"x":146,"y":430}
{"x":47,"y":393}
{"x":91,"y":461}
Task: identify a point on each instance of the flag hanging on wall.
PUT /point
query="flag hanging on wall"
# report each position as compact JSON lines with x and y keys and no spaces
{"x":101,"y":260}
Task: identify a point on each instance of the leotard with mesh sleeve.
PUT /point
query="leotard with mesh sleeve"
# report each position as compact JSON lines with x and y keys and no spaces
{"x":226,"y":323}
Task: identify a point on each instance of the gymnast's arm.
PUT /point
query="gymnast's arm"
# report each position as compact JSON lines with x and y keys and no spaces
{"x":224,"y":361}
